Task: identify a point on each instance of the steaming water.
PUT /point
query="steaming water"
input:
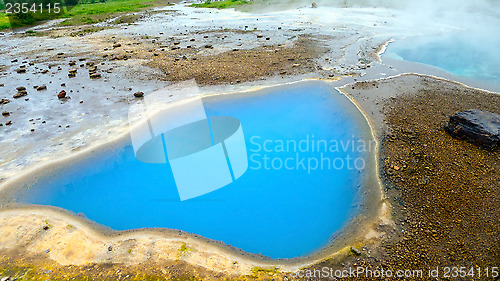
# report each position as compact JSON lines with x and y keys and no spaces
{"x":463,"y":54}
{"x":279,"y":212}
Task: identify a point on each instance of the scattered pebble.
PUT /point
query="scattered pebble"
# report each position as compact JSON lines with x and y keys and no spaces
{"x":138,"y":94}
{"x":62,"y":94}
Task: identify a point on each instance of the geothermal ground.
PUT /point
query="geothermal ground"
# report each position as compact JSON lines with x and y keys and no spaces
{"x":444,"y":193}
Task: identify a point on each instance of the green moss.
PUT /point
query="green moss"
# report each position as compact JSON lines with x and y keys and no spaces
{"x":256,"y":271}
{"x":221,"y":4}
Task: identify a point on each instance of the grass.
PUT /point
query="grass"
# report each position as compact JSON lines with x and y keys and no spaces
{"x":220,"y":4}
{"x":86,"y":12}
{"x":94,"y":13}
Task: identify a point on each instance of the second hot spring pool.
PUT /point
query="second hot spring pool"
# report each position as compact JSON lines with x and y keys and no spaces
{"x":308,"y":151}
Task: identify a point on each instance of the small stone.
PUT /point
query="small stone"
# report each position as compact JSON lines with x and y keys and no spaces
{"x":209,"y":46}
{"x":63,"y":85}
{"x":296,"y":64}
{"x":268,"y":38}
{"x":314,"y":5}
{"x":62,"y":94}
{"x":5,"y":113}
{"x":283,"y":72}
{"x":4,"y":101}
{"x":117,"y":45}
{"x":8,"y":123}
{"x":95,"y":75}
{"x":72,"y":63}
{"x":192,"y":39}
{"x":74,"y":70}
{"x":45,"y":71}
{"x":177,"y":43}
{"x":40,"y":88}
{"x":21,"y":70}
{"x":81,"y":101}
{"x":138,"y":94}
{"x":260,"y":35}
{"x":110,"y":248}
{"x":355,"y":251}
{"x":20,"y":88}
{"x":47,"y":251}
{"x":1,"y":85}
{"x":20,"y":94}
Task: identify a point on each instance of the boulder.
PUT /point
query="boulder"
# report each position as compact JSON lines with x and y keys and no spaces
{"x":481,"y":128}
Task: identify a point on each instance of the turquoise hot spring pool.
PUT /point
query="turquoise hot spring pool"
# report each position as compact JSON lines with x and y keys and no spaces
{"x":278,"y":208}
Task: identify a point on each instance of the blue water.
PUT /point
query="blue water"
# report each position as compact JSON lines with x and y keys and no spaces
{"x":279,"y":213}
{"x":472,"y":56}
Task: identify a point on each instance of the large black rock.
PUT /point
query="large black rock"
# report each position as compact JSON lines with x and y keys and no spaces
{"x":478,"y":127}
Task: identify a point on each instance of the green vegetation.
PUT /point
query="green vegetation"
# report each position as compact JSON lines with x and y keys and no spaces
{"x":256,"y":271}
{"x":85,"y":12}
{"x":220,"y":4}
{"x":98,"y":12}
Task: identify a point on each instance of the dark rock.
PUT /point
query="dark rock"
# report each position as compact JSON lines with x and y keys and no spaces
{"x":72,"y":63}
{"x":5,"y":113}
{"x":73,"y":70}
{"x":8,"y":123}
{"x":110,"y":248}
{"x":21,"y":88}
{"x":95,"y":75}
{"x":21,"y":70}
{"x":62,"y":94}
{"x":117,"y":45}
{"x":208,"y":46}
{"x":63,"y":85}
{"x":4,"y":101}
{"x":45,"y":71}
{"x":481,"y":128}
{"x":20,"y":94}
{"x":1,"y":85}
{"x":355,"y":251}
{"x":177,"y":43}
{"x":40,"y":88}
{"x":260,"y":35}
{"x":314,"y":5}
{"x":138,"y":94}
